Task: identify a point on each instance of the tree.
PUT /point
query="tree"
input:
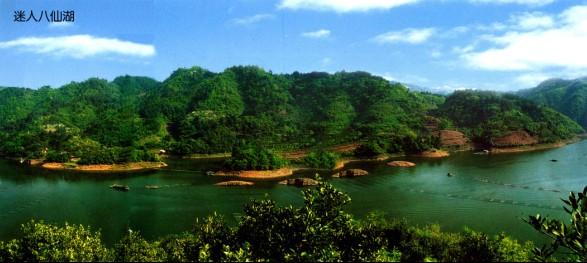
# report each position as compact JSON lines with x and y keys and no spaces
{"x":321,"y":159}
{"x":133,"y":248}
{"x":572,"y":236}
{"x":248,"y":157}
{"x":45,"y":242}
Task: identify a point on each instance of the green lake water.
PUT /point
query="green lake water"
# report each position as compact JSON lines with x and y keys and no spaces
{"x":490,"y":193}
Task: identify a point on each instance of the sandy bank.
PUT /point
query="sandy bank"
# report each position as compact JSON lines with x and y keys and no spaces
{"x":529,"y":148}
{"x":401,"y":164}
{"x":269,"y":174}
{"x":127,"y":167}
{"x":433,"y":154}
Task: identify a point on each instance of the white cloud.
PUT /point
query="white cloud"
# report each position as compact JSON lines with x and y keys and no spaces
{"x":322,"y":33}
{"x":529,"y":21}
{"x":531,"y":79}
{"x":520,"y":2}
{"x":79,"y":46}
{"x":343,"y":6}
{"x":410,"y":36}
{"x":252,"y":19}
{"x":561,"y":46}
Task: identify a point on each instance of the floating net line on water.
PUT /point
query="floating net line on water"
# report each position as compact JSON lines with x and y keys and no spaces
{"x":484,"y":199}
{"x":487,"y":181}
{"x":168,"y":186}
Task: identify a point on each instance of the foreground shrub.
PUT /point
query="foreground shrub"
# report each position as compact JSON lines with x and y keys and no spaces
{"x":572,"y":236}
{"x":46,"y":242}
{"x":319,"y":230}
{"x":133,"y":248}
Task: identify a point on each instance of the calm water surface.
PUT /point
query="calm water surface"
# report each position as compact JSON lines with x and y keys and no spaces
{"x":491,"y":193}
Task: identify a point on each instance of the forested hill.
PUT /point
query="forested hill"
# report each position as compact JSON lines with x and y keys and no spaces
{"x":486,"y":116}
{"x":566,"y":96}
{"x":198,"y":111}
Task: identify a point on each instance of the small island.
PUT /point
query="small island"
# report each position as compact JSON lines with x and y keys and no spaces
{"x":125,"y":167}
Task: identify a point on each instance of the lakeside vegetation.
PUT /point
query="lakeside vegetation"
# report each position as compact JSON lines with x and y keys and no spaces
{"x":566,"y":96}
{"x":321,"y":159}
{"x":485,"y":116}
{"x":320,"y":230}
{"x":196,"y":111}
{"x":249,"y":157}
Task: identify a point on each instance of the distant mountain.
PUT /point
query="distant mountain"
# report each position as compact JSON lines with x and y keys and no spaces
{"x":566,"y":96}
{"x":418,"y":88}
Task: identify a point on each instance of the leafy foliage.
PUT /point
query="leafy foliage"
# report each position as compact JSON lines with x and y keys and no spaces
{"x":248,"y":157}
{"x":133,"y":248}
{"x":321,"y":159}
{"x":409,"y":144}
{"x":572,"y":236}
{"x":566,"y":96}
{"x":45,"y":242}
{"x":487,"y":115}
{"x":195,"y":111}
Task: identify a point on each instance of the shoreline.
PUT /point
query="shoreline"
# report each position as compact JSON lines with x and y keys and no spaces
{"x":431,"y":154}
{"x":104,"y":168}
{"x":256,"y":174}
{"x":536,"y":147}
{"x":289,"y":170}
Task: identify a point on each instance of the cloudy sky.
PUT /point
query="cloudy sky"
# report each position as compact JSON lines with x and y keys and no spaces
{"x":450,"y":44}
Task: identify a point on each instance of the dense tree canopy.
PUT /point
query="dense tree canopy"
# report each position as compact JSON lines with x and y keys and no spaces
{"x":567,"y":96}
{"x":198,"y":111}
{"x":485,"y":115}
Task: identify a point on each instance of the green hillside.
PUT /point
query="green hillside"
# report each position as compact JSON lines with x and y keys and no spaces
{"x":198,"y":111}
{"x":567,"y":96}
{"x":485,"y":115}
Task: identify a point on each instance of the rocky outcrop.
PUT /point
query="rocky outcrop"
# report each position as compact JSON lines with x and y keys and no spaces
{"x":235,"y":183}
{"x":126,"y":167}
{"x":516,"y":138}
{"x":351,"y":173}
{"x":450,"y":138}
{"x":401,"y":164}
{"x":299,"y":182}
{"x":434,"y":154}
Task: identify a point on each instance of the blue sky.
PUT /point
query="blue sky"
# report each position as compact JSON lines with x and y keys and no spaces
{"x":448,"y":44}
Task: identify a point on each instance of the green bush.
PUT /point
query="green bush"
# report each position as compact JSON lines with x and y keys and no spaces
{"x":321,"y":159}
{"x":112,"y":155}
{"x":50,"y":243}
{"x":133,"y":248}
{"x":371,"y":149}
{"x":247,"y":157}
{"x":57,"y":157}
